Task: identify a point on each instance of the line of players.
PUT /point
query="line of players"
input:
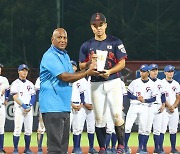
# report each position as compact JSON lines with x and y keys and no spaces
{"x":158,"y":98}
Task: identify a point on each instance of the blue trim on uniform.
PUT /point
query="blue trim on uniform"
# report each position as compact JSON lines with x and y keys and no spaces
{"x":163,"y":98}
{"x":33,"y":100}
{"x":150,"y":100}
{"x":131,"y":96}
{"x":7,"y":94}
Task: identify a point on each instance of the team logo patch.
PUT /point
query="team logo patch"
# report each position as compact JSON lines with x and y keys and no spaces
{"x":121,"y":47}
{"x":109,"y":46}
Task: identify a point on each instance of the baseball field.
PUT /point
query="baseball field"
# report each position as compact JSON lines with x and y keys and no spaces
{"x":133,"y":142}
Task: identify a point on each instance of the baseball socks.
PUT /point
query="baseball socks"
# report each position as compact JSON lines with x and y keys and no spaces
{"x":113,"y":140}
{"x":173,"y":141}
{"x":108,"y":138}
{"x":1,"y":141}
{"x":146,"y":138}
{"x":15,"y":142}
{"x":91,"y":140}
{"x":39,"y":141}
{"x":156,"y":142}
{"x":141,"y":140}
{"x":126,"y":139}
{"x":27,"y":139}
{"x":161,"y":140}
{"x":101,"y":136}
{"x":76,"y":141}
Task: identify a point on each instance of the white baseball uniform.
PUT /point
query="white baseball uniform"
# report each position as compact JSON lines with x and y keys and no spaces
{"x":83,"y":114}
{"x":138,"y":88}
{"x":24,"y":90}
{"x":154,"y":116}
{"x":4,"y":84}
{"x":170,"y":119}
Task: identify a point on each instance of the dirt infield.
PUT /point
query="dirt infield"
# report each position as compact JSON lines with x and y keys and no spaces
{"x":9,"y":150}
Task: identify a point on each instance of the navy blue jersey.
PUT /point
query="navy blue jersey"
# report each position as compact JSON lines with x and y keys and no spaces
{"x":116,"y":52}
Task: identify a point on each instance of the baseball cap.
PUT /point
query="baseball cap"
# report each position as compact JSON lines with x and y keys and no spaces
{"x":97,"y":17}
{"x":168,"y":68}
{"x":144,"y":67}
{"x":153,"y":66}
{"x":23,"y":66}
{"x":73,"y":63}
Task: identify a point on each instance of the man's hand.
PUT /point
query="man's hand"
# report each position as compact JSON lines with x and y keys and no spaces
{"x":88,"y":106}
{"x":141,"y":99}
{"x":92,"y":70}
{"x":106,"y":74}
{"x":161,"y":109}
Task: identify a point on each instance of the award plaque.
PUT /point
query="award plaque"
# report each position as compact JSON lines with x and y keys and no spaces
{"x":101,"y":60}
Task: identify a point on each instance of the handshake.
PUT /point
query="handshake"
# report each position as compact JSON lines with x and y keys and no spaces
{"x":26,"y":107}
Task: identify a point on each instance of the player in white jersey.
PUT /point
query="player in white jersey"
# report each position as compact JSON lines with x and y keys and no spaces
{"x":155,"y":110}
{"x":141,"y":93}
{"x":82,"y":111}
{"x":41,"y":128}
{"x":4,"y":86}
{"x":110,"y":132}
{"x":170,"y":114}
{"x":23,"y":93}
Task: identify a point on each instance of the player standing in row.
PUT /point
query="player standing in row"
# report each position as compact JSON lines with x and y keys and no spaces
{"x":82,"y":111}
{"x":23,"y":93}
{"x":4,"y":96}
{"x":170,"y":114}
{"x":142,"y":93}
{"x":155,"y":110}
{"x":41,"y":128}
{"x":105,"y":88}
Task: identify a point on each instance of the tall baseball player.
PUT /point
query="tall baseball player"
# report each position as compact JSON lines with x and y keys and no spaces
{"x":142,"y":93}
{"x":155,"y":110}
{"x":105,"y":88}
{"x":170,"y":114}
{"x":41,"y":128}
{"x":82,"y":111}
{"x":23,"y":93}
{"x":4,"y":87}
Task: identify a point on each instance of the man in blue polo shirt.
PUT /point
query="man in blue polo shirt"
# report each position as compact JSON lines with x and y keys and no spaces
{"x":56,"y":76}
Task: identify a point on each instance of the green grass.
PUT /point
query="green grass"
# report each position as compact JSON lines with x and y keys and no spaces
{"x":133,"y":141}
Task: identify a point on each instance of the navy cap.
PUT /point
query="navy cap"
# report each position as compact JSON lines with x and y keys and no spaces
{"x":73,"y":63}
{"x":144,"y":67}
{"x":98,"y":17}
{"x":168,"y":68}
{"x":23,"y":66}
{"x":153,"y":66}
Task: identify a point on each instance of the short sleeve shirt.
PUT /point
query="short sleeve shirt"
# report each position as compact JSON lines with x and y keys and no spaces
{"x":55,"y":94}
{"x":112,"y":45}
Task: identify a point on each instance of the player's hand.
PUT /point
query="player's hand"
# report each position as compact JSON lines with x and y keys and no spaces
{"x":88,"y":106}
{"x":161,"y":109}
{"x":106,"y":74}
{"x":171,"y":108}
{"x":141,"y":99}
{"x":92,"y":71}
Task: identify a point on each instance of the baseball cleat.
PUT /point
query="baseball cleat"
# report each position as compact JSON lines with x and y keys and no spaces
{"x":102,"y":151}
{"x":77,"y":151}
{"x":2,"y":151}
{"x":92,"y":150}
{"x":114,"y":151}
{"x":127,"y":150}
{"x":15,"y":151}
{"x":120,"y":149}
{"x":28,"y":151}
{"x":108,"y":151}
{"x":174,"y":151}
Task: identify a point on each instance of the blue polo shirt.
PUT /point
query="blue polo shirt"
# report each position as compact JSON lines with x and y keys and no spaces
{"x":55,"y":94}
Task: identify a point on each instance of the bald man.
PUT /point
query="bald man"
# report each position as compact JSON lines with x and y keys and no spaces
{"x":56,"y":76}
